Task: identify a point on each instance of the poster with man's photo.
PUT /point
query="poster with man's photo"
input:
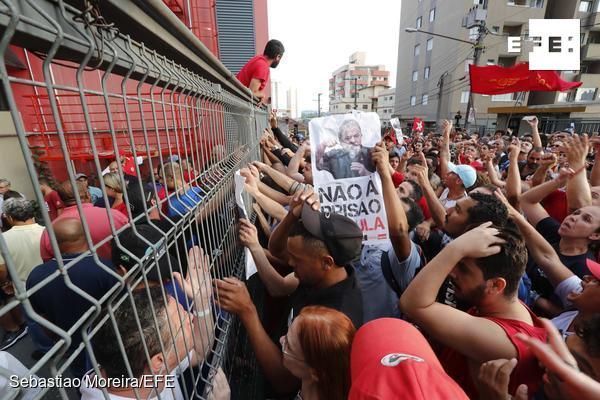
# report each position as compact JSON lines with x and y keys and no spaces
{"x":344,"y":175}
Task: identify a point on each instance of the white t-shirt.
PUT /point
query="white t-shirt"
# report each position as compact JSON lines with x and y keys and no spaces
{"x":564,"y":288}
{"x":23,"y":243}
{"x":448,"y":203}
{"x":9,"y":362}
{"x":563,"y":321}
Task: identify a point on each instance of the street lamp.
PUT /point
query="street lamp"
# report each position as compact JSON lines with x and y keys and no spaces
{"x":415,"y":30}
{"x":477,"y":45}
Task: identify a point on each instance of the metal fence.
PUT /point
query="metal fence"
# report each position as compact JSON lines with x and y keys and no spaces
{"x":93,"y":95}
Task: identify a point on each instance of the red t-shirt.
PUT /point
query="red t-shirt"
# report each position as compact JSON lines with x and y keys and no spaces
{"x":53,"y":204}
{"x":256,"y":68}
{"x":556,"y":205}
{"x":122,"y":208}
{"x":527,"y":370}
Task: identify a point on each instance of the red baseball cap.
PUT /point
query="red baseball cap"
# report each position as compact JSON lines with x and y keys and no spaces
{"x":594,"y":268}
{"x":391,"y":359}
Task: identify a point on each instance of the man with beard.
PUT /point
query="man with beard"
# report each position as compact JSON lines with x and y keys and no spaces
{"x":534,"y":158}
{"x":486,"y":265}
{"x":349,"y":158}
{"x":255,"y":74}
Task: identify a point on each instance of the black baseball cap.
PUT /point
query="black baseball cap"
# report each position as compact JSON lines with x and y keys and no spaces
{"x":342,"y":237}
{"x":153,"y":264}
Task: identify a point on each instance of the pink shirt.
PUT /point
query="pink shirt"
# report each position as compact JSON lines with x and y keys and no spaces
{"x":98,"y":224}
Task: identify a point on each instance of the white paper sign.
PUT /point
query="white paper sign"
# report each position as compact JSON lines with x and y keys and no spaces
{"x":239,"y":200}
{"x":395,"y":123}
{"x":250,"y":264}
{"x":240,"y":181}
{"x":344,"y":175}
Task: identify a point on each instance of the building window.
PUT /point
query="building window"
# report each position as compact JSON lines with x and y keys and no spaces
{"x":415,"y":76}
{"x":464,"y":97}
{"x":432,"y":15}
{"x":429,"y":44}
{"x":419,"y":22}
{"x":347,"y":106}
{"x":537,"y":3}
{"x":490,"y":62}
{"x":585,"y":6}
{"x":585,"y":94}
{"x":502,"y":97}
{"x":496,"y":29}
{"x":413,"y":101}
{"x":424,"y":99}
{"x":417,"y":50}
{"x":365,"y":106}
{"x":426,"y":73}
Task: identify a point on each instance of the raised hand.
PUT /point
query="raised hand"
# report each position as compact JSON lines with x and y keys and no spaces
{"x":577,"y":148}
{"x":197,"y":283}
{"x":479,"y":242}
{"x":560,"y":364}
{"x":381,"y":158}
{"x":307,"y":196}
{"x":248,"y":234}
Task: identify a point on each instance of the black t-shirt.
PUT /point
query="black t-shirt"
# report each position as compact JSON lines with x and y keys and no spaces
{"x":344,"y":296}
{"x":548,"y":228}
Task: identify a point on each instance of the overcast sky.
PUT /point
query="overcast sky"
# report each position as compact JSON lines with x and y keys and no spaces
{"x":320,"y":35}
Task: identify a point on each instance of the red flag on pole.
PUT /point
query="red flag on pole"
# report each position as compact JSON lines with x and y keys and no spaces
{"x":417,"y":125}
{"x":493,"y":79}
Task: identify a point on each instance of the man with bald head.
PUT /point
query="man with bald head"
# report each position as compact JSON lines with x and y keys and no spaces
{"x":96,"y":218}
{"x":58,"y":303}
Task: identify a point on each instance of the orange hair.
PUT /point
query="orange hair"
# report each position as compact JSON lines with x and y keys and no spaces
{"x":325,"y":336}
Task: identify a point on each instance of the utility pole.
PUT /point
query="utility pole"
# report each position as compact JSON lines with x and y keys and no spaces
{"x":355,"y":92}
{"x":478,"y":17}
{"x":438,"y":114}
{"x":319,"y":104}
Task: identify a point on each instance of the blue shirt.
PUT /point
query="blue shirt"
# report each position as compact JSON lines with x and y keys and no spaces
{"x":379,"y":299}
{"x":181,"y":205}
{"x":95,"y":193}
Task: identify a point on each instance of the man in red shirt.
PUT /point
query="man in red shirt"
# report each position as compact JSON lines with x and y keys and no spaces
{"x":255,"y":74}
{"x":54,"y":204}
{"x":486,"y":265}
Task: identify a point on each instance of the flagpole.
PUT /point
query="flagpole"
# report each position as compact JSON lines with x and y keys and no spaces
{"x":517,"y":102}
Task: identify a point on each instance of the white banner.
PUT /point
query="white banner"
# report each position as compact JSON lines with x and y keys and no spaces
{"x":344,"y":175}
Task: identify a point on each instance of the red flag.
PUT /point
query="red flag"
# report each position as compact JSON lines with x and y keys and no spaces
{"x":417,"y":125}
{"x":493,"y":79}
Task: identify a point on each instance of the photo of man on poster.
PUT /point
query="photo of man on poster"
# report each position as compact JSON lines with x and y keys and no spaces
{"x":345,"y":157}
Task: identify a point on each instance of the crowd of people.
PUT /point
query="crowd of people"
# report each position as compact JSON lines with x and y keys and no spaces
{"x":492,"y":256}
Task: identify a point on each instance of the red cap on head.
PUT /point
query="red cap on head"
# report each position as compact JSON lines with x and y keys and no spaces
{"x":391,"y":359}
{"x":594,"y":268}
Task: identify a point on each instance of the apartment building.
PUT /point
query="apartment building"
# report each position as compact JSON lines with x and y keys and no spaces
{"x":426,"y":61}
{"x":346,"y":82}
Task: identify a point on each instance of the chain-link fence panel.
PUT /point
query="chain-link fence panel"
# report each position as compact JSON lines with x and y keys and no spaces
{"x":141,"y":152}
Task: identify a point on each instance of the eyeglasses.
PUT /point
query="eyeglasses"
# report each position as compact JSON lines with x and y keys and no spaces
{"x":285,"y":347}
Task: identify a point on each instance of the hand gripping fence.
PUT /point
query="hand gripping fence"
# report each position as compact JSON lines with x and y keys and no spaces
{"x":87,"y":94}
